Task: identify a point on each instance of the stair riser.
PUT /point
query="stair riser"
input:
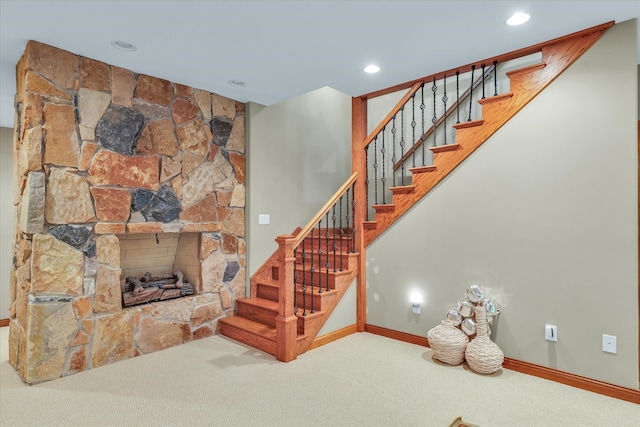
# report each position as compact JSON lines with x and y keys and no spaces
{"x":271,"y":293}
{"x":248,"y":338}
{"x":257,"y":314}
{"x":347,"y":245}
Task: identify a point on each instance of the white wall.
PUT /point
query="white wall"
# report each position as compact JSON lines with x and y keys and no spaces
{"x":6,"y":218}
{"x":544,"y":216}
{"x":298,"y":154}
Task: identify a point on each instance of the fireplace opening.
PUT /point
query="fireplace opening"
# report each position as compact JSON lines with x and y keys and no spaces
{"x":158,"y":267}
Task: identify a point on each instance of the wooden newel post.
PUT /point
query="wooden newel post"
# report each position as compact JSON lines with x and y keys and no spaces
{"x":286,"y":322}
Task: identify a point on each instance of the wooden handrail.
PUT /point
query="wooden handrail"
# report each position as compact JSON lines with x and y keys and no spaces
{"x":312,"y":223}
{"x":447,"y":113}
{"x":392,"y":113}
{"x":500,"y":58}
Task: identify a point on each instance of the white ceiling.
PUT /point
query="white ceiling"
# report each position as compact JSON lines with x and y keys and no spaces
{"x":283,"y":49}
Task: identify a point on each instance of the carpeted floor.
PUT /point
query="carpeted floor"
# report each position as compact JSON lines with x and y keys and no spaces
{"x":360,"y":380}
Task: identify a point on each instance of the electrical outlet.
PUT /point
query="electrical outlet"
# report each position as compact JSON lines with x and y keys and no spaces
{"x":551,"y":333}
{"x":609,"y":343}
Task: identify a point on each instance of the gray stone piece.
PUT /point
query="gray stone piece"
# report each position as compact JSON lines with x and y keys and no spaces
{"x":221,"y":130}
{"x":230,"y":271}
{"x":163,"y":207}
{"x":119,"y":128}
{"x":140,"y":199}
{"x":74,"y":236}
{"x":91,"y":250}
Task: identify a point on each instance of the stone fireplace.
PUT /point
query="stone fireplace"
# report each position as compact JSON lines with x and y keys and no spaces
{"x":116,"y":172}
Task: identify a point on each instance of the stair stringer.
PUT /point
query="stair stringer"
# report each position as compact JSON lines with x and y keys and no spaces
{"x":526,"y":84}
{"x":314,"y":324}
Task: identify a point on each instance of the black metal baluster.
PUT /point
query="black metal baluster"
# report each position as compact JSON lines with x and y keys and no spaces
{"x":473,"y":68}
{"x":335,"y":247}
{"x":304,"y":279}
{"x":375,"y":171}
{"x":326,"y":240}
{"x":312,"y":270}
{"x":444,"y":114}
{"x":393,"y":144}
{"x":434,"y":119}
{"x":422,"y":108}
{"x":482,"y":81}
{"x":320,"y":251}
{"x":348,"y":220}
{"x":495,"y":78}
{"x":458,"y":96}
{"x":413,"y":126}
{"x":402,"y":143}
{"x":341,"y":232}
{"x":384,"y":167}
{"x":366,"y":186}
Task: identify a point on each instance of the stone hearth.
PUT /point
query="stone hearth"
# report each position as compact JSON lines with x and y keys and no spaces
{"x":102,"y":155}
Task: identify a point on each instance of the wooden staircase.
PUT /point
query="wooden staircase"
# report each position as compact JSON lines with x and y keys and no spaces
{"x":526,"y":84}
{"x":267,"y":320}
{"x":254,"y":322}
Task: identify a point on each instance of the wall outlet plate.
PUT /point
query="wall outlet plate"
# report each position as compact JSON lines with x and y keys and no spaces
{"x":609,"y":343}
{"x":551,"y":333}
{"x":264,"y":219}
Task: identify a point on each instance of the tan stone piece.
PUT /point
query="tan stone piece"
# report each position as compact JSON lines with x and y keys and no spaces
{"x":237,"y":138}
{"x":78,"y":361}
{"x":37,"y":84}
{"x":182,"y":90}
{"x":223,"y":196}
{"x":92,"y":105}
{"x":32,"y":114}
{"x":123,"y":83}
{"x":193,"y":139}
{"x":108,"y":296}
{"x":242,"y":247}
{"x":208,"y":244}
{"x":52,"y":327}
{"x":95,"y":75}
{"x":229,"y":243}
{"x":59,"y":66}
{"x":201,"y":183}
{"x":155,"y":335}
{"x":235,"y":224}
{"x":82,"y":307}
{"x":108,"y":250}
{"x":223,"y":107}
{"x":81,"y":338}
{"x":203,"y":332}
{"x":112,"y":204}
{"x":205,"y":313}
{"x":109,"y":168}
{"x":56,"y":268}
{"x":112,"y":338}
{"x":86,"y":153}
{"x":154,"y":90}
{"x":145,"y":227}
{"x":189,"y":163}
{"x":183,"y":111}
{"x":110,"y":228}
{"x":226,"y":299}
{"x":203,"y":99}
{"x":158,"y":137}
{"x":68,"y":200}
{"x":33,"y":204}
{"x":238,"y":163}
{"x":62,"y":147}
{"x":170,"y":168}
{"x":201,"y":227}
{"x":238,"y":197}
{"x":203,"y":211}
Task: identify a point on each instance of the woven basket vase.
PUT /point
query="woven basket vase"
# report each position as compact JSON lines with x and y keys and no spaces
{"x":447,"y":342}
{"x":483,"y":355}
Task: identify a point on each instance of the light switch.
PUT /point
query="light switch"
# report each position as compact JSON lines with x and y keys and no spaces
{"x":264,"y":219}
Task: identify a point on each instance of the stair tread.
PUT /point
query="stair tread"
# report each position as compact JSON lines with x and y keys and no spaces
{"x":496,"y":98}
{"x":527,"y":69}
{"x":247,"y":325}
{"x":422,"y":169}
{"x":260,"y":302}
{"x":403,"y":189}
{"x":443,"y":148}
{"x":469,"y":124}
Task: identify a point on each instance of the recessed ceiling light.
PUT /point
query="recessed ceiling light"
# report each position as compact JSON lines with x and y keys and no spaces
{"x":236,"y":83}
{"x":371,"y":69}
{"x":518,"y":18}
{"x":122,"y":45}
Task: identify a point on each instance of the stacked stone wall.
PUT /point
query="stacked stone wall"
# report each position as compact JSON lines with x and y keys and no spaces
{"x":101,"y":151}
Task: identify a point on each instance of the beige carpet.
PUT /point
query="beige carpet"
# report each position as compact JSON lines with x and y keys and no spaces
{"x":360,"y":380}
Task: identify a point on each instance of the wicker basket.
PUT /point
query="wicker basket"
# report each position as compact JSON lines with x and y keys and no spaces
{"x":448,"y":343}
{"x":483,"y":355}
